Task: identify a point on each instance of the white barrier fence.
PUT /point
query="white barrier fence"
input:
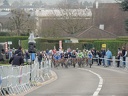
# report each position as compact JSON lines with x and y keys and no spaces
{"x":15,"y":80}
{"x":114,"y":62}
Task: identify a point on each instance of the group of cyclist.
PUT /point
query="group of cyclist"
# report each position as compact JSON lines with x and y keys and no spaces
{"x":69,"y":57}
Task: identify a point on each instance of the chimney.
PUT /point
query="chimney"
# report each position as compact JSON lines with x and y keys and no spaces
{"x":97,"y":4}
{"x":101,"y":26}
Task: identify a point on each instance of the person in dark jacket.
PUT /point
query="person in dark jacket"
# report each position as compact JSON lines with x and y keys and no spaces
{"x":40,"y":56}
{"x":19,"y":50}
{"x":99,"y":57}
{"x":103,"y":53}
{"x":3,"y":57}
{"x":27,"y":56}
{"x":17,"y":60}
{"x":119,"y":54}
{"x":124,"y":54}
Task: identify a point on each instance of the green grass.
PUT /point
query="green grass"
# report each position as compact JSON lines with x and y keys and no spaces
{"x":1,"y":64}
{"x":6,"y":62}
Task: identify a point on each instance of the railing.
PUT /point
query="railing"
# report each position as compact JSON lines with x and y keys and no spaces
{"x":15,"y":80}
{"x":114,"y":62}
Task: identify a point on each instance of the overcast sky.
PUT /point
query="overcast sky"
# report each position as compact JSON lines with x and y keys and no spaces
{"x":55,"y":1}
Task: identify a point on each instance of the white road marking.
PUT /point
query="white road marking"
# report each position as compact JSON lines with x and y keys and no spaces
{"x":100,"y":82}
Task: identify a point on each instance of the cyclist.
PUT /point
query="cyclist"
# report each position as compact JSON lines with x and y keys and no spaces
{"x":90,"y":56}
{"x":73,"y":58}
{"x":80,"y":57}
{"x":57,"y":58}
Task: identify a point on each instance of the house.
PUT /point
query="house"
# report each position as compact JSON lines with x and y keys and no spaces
{"x":111,"y":16}
{"x":95,"y":33}
{"x":107,"y":16}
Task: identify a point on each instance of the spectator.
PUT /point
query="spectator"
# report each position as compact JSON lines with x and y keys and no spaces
{"x":93,"y":51}
{"x":118,"y":57}
{"x":3,"y":55}
{"x":19,"y":50}
{"x":99,"y":57}
{"x":17,"y":60}
{"x":13,"y":51}
{"x":27,"y":56}
{"x":109,"y":57}
{"x":40,"y":56}
{"x":10,"y":53}
{"x":103,"y":53}
{"x":124,"y":54}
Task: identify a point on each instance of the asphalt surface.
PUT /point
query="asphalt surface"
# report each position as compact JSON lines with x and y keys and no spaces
{"x":95,"y":81}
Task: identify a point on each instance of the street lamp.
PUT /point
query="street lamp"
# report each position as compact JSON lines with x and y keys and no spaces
{"x":31,"y":50}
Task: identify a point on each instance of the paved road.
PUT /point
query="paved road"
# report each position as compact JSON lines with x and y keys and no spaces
{"x":95,"y":81}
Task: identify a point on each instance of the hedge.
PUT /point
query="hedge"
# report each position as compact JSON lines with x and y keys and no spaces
{"x":4,"y":33}
{"x":113,"y":45}
{"x":24,"y":44}
{"x":43,"y":44}
{"x":14,"y":40}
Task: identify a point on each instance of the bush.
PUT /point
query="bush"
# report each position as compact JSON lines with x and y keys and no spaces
{"x":113,"y":45}
{"x":4,"y":33}
{"x":14,"y":40}
{"x":43,"y":44}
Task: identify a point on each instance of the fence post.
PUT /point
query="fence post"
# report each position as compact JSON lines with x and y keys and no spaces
{"x":105,"y":59}
{"x":126,"y":63}
{"x":121,"y":61}
{"x":114,"y":61}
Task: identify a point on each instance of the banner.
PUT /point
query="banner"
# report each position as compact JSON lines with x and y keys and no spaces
{"x":60,"y":44}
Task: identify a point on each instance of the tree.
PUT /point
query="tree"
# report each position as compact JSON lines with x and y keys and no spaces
{"x":69,"y":3}
{"x":124,"y":5}
{"x":71,"y":20}
{"x":72,"y":1}
{"x":37,"y":3}
{"x":126,"y":25}
{"x":19,"y":20}
{"x":5,"y":2}
{"x":15,"y":4}
{"x":49,"y":28}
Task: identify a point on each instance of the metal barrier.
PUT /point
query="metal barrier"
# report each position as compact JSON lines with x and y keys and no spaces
{"x":114,"y":62}
{"x":15,"y":80}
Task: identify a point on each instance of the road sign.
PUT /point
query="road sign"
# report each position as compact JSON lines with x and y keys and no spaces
{"x":103,"y":45}
{"x":9,"y":42}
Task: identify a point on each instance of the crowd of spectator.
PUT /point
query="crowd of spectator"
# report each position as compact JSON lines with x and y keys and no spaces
{"x":19,"y":56}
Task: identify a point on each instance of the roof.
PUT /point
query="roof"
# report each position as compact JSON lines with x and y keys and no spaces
{"x":64,"y":12}
{"x":5,"y":6}
{"x":94,"y":33}
{"x":4,"y":13}
{"x":113,"y":18}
